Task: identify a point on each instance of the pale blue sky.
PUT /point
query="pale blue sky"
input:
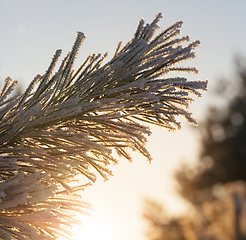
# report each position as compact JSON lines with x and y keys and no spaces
{"x":32,"y":30}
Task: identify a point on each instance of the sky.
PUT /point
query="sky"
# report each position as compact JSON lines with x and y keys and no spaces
{"x":31,"y":32}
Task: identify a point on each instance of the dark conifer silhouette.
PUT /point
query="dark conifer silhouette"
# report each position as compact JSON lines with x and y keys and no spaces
{"x":216,"y":186}
{"x":223,"y":139}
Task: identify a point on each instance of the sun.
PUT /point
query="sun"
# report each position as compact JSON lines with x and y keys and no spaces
{"x":94,"y":228}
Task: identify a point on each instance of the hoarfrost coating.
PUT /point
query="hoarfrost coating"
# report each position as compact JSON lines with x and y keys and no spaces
{"x":67,"y":123}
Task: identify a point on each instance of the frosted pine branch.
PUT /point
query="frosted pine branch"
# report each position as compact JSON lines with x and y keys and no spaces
{"x":68,"y":122}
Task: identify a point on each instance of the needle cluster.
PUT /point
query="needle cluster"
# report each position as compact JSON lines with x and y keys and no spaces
{"x":68,"y":122}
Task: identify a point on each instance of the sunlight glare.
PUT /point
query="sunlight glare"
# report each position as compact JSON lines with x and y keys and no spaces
{"x":94,"y":228}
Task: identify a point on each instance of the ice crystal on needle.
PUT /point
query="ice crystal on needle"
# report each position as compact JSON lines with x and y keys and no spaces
{"x":66,"y":123}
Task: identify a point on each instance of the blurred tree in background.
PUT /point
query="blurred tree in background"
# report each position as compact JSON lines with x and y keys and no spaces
{"x":216,"y":219}
{"x":216,"y":186}
{"x":223,"y":139}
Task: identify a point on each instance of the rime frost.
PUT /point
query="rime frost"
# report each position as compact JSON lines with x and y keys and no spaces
{"x":67,"y":123}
